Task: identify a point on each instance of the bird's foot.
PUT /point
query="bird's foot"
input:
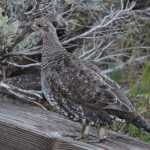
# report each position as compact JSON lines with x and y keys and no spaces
{"x":102,"y":134}
{"x":84,"y":133}
{"x":101,"y":140}
{"x":82,"y":138}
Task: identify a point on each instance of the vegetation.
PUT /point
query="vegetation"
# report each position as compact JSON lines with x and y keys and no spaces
{"x":116,"y":39}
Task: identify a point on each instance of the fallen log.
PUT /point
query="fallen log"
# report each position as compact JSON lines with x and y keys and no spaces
{"x":31,"y":128}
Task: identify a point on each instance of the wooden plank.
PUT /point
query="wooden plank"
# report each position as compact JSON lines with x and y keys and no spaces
{"x":31,"y":128}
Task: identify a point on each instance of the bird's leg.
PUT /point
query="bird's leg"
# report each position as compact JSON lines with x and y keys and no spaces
{"x":121,"y":126}
{"x":101,"y":133}
{"x":84,"y":131}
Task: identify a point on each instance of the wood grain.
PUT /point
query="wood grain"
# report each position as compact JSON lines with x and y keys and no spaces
{"x":31,"y":128}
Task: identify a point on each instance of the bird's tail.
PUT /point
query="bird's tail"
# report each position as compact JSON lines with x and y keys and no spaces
{"x":133,"y":118}
{"x":141,"y":123}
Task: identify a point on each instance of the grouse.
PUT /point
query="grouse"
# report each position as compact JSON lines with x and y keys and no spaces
{"x":76,"y":88}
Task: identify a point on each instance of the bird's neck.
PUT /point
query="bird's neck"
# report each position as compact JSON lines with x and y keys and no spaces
{"x":51,"y":45}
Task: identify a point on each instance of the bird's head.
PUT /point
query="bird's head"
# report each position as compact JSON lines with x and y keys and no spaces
{"x":43,"y":24}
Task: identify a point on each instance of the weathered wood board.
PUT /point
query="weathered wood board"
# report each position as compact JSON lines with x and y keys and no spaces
{"x":31,"y":128}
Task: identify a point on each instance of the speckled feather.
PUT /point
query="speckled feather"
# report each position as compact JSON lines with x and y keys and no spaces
{"x":72,"y":81}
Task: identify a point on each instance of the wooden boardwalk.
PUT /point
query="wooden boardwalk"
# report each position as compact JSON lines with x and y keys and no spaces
{"x":31,"y":128}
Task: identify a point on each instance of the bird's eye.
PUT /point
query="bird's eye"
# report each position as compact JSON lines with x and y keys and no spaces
{"x":39,"y":25}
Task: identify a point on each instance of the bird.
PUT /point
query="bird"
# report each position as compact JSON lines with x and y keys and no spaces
{"x":78,"y":89}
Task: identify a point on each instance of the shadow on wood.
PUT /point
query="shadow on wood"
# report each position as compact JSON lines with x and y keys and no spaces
{"x":31,"y":128}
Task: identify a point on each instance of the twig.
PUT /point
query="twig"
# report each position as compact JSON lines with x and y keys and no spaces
{"x":28,"y":95}
{"x":121,"y":66}
{"x":25,"y":52}
{"x":24,"y":66}
{"x":100,"y":26}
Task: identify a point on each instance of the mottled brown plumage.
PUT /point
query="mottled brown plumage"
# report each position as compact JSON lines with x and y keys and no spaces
{"x":78,"y":88}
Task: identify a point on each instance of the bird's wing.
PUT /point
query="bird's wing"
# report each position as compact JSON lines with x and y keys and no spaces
{"x":73,"y":80}
{"x":113,"y":96}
